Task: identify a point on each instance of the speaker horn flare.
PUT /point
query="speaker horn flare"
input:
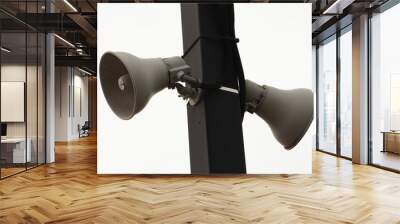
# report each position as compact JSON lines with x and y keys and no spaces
{"x":128,"y":82}
{"x":289,"y":113}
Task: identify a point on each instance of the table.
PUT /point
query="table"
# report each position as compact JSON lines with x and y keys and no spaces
{"x":391,"y":141}
{"x":13,"y":150}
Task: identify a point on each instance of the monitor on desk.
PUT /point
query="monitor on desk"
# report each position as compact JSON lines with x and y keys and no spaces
{"x":3,"y":130}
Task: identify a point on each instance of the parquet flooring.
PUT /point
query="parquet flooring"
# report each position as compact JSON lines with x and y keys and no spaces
{"x":10,"y":171}
{"x":70,"y":191}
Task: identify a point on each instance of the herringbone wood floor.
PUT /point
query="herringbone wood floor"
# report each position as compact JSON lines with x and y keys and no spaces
{"x":69,"y":191}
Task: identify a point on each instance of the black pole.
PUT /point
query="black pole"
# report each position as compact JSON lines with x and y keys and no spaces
{"x":215,"y":123}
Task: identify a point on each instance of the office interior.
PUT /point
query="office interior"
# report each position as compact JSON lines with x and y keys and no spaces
{"x":48,"y":81}
{"x":45,"y":89}
{"x":334,"y":74}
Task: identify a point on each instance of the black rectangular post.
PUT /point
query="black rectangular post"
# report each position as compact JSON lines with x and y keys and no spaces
{"x":215,"y":123}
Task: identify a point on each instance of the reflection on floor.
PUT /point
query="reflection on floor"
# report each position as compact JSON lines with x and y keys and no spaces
{"x":8,"y":170}
{"x":346,"y":152}
{"x":70,"y":191}
{"x":387,"y":159}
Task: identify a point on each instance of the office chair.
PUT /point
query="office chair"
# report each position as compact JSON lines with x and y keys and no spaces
{"x":84,"y":130}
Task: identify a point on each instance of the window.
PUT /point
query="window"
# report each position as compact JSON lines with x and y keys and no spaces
{"x":335,"y":74}
{"x":327,"y":96}
{"x":346,"y":93}
{"x":385,"y":89}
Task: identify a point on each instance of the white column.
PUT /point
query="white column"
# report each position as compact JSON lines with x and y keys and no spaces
{"x":360,"y":90}
{"x":50,"y":99}
{"x":50,"y":92}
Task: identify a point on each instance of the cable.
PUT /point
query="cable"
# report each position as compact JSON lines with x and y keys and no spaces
{"x":238,"y":68}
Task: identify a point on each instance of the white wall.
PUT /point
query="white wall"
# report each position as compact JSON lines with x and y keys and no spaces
{"x":13,"y":100}
{"x":33,"y":127}
{"x":61,"y":103}
{"x":80,"y":97}
{"x":12,"y":73}
{"x":82,"y":82}
{"x":69,"y":82}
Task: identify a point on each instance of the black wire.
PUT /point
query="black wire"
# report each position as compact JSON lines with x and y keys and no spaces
{"x":237,"y":63}
{"x":242,"y":81}
{"x":227,"y":39}
{"x":239,"y":68}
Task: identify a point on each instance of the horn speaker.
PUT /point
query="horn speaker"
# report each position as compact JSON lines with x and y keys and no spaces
{"x":128,"y":82}
{"x":288,"y":113}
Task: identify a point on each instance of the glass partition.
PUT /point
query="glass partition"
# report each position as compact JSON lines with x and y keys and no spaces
{"x":14,"y":153}
{"x":346,"y":93}
{"x":34,"y":52}
{"x":41,"y":87}
{"x":41,"y":96}
{"x":23,"y":90}
{"x":327,"y":96}
{"x":385,"y":89}
{"x":31,"y":99}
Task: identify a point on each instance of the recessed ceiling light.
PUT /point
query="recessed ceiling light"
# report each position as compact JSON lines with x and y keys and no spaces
{"x":70,"y":5}
{"x":84,"y":71}
{"x":64,"y":40}
{"x":5,"y":50}
{"x":337,"y":7}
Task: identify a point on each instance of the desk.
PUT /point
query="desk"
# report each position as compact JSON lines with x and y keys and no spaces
{"x":13,"y":150}
{"x":391,"y":141}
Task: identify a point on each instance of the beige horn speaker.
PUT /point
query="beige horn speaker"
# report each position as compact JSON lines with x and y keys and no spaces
{"x":289,"y":113}
{"x":128,"y":82}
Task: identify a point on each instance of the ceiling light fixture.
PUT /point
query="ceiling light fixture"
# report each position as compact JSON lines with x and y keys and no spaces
{"x":5,"y":50}
{"x":337,"y":7}
{"x":70,"y":5}
{"x":64,"y":40}
{"x":84,"y":71}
